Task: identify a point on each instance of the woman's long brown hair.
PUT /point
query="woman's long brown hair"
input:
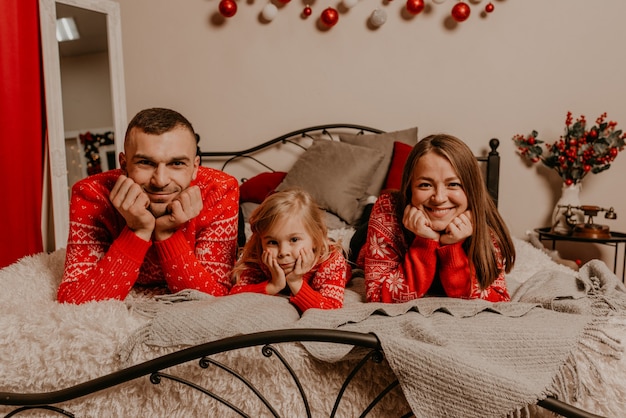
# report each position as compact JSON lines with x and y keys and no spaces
{"x":487,"y":223}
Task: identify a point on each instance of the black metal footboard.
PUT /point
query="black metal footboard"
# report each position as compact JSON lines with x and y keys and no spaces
{"x":154,"y":370}
{"x":201,"y":353}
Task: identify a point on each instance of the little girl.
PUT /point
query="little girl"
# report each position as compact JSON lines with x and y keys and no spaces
{"x":440,"y":234}
{"x":289,"y":252}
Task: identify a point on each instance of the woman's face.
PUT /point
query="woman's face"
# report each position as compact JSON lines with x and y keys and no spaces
{"x":285,"y":239}
{"x":437,"y":190}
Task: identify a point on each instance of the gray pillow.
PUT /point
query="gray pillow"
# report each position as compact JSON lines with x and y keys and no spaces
{"x":336,"y":174}
{"x":383,"y":143}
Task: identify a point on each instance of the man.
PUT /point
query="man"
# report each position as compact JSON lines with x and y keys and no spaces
{"x":161,"y":218}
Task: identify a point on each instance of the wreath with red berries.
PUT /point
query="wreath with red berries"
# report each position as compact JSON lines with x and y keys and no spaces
{"x":91,"y":143}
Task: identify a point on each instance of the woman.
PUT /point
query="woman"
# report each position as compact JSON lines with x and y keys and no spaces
{"x":440,"y":234}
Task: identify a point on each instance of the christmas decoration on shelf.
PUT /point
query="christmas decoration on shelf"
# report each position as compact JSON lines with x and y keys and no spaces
{"x":575,"y":154}
{"x":91,"y":143}
{"x":329,"y":17}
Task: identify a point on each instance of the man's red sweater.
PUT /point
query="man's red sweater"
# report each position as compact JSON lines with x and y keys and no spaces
{"x":105,"y":259}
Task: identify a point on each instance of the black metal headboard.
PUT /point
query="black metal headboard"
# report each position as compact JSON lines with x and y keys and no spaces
{"x":328,"y":131}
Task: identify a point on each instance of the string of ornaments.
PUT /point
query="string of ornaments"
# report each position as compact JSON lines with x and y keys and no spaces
{"x":329,"y":17}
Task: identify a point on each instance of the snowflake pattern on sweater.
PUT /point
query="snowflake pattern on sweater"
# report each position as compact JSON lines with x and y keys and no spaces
{"x":396,"y":272}
{"x":323,"y":286}
{"x":105,"y":259}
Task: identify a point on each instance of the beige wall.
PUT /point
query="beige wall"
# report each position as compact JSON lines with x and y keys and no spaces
{"x":86,"y":91}
{"x":520,"y":68}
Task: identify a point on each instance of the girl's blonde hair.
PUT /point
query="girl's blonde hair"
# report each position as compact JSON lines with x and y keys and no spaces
{"x":487,"y":223}
{"x":276,"y":207}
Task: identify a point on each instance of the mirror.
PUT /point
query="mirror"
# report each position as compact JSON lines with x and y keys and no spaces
{"x":85,"y":93}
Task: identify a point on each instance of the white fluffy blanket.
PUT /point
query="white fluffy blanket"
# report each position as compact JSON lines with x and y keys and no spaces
{"x":47,"y":346}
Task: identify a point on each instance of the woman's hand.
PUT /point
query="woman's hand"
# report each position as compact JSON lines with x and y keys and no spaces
{"x":458,"y":230}
{"x":417,"y":222}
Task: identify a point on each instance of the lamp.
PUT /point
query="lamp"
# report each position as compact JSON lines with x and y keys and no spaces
{"x":66,"y":29}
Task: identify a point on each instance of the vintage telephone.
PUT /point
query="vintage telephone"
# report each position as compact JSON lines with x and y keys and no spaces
{"x":588,"y":229}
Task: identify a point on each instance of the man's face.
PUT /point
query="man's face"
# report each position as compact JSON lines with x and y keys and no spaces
{"x":163,"y":165}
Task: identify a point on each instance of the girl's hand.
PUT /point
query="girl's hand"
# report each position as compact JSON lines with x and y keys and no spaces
{"x":304,"y":263}
{"x":417,"y":222}
{"x":458,"y":230}
{"x":278,"y":281}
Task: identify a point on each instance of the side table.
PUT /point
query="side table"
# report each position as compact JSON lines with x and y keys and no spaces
{"x":614,"y":241}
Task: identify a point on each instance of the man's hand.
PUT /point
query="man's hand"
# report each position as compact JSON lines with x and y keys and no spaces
{"x":187,"y":205}
{"x":459,"y":229}
{"x":132,"y":203}
{"x":417,"y":222}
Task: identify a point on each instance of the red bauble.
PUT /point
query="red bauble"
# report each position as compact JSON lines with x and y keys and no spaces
{"x":307,"y":11}
{"x":460,"y":12}
{"x":330,"y":17}
{"x":414,"y":6}
{"x":228,"y":8}
{"x":489,"y":8}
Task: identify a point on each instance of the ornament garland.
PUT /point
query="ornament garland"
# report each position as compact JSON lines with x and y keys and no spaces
{"x":329,"y":17}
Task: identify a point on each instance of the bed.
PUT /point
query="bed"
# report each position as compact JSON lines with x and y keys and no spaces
{"x":557,"y":349}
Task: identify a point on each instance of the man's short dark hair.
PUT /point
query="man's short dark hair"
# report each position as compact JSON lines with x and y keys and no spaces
{"x":157,"y":120}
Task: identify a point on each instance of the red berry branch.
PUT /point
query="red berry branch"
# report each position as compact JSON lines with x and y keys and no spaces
{"x":579,"y":151}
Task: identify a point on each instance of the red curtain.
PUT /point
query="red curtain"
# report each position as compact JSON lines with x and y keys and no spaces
{"x":21,"y":130}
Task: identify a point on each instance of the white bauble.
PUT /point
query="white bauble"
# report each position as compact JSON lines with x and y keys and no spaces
{"x":378,"y":17}
{"x":269,"y":12}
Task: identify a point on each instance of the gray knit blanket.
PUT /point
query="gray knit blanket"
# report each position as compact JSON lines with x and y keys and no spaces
{"x":452,"y":357}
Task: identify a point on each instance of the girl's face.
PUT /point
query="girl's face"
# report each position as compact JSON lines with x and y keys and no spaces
{"x":285,"y":240}
{"x":437,"y":190}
